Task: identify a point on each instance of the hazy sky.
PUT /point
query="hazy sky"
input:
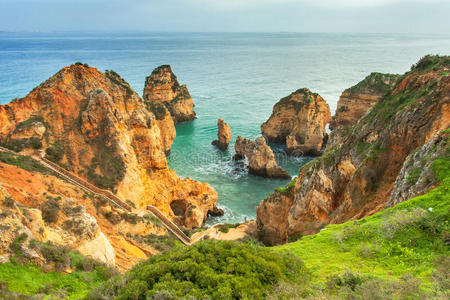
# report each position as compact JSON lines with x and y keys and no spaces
{"x":421,"y":16}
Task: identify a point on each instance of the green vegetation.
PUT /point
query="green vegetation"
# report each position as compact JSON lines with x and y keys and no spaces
{"x":226,"y":227}
{"x":157,"y":108}
{"x":24,"y":162}
{"x":159,"y":242}
{"x":116,"y":79}
{"x":430,"y":62}
{"x":376,"y":82}
{"x":413,"y":176}
{"x":50,"y":210}
{"x":27,"y":123}
{"x":111,"y":165}
{"x":392,"y":251}
{"x":81,"y":64}
{"x":55,"y":152}
{"x":23,"y":277}
{"x":207,"y":270}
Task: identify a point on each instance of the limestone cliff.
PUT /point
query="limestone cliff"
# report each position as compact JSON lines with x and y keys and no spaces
{"x":48,"y":209}
{"x":95,"y":125}
{"x":299,"y":121}
{"x":261,"y":160}
{"x":223,"y":135}
{"x":357,"y":179}
{"x":355,"y":102}
{"x":162,"y":87}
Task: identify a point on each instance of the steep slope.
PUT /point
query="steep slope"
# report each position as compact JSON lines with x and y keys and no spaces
{"x":356,"y":179}
{"x":54,"y":210}
{"x":96,"y":126}
{"x":355,"y":102}
{"x":162,"y":87}
{"x":299,"y":121}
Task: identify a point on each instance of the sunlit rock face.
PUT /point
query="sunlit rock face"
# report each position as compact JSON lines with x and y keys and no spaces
{"x":261,"y":160}
{"x":96,"y":126}
{"x":299,"y":121}
{"x":162,"y":87}
{"x":367,"y":171}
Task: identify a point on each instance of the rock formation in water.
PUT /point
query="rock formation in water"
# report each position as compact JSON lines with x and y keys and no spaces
{"x":162,"y":90}
{"x":299,"y":121}
{"x":356,"y":101}
{"x":261,"y":159}
{"x":95,"y":125}
{"x":224,"y":135}
{"x":357,"y":179}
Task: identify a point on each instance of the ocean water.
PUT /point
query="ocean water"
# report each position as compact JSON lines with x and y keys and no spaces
{"x":235,"y":76}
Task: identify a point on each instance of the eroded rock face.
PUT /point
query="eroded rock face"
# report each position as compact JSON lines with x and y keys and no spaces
{"x":224,"y":135}
{"x":71,"y":226}
{"x":356,"y":101}
{"x":162,"y":87}
{"x":299,"y":121}
{"x":260,"y":157}
{"x":417,"y":176}
{"x":97,"y":127}
{"x":357,"y":179}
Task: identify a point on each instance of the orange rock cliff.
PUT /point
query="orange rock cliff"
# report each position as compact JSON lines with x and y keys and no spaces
{"x":365,"y":171}
{"x":95,"y":125}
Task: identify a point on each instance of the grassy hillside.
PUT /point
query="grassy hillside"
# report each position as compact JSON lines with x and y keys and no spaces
{"x":407,"y":244}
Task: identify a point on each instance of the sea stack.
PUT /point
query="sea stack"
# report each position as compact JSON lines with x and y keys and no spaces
{"x":224,"y":135}
{"x":299,"y":121}
{"x":162,"y":87}
{"x":260,"y":157}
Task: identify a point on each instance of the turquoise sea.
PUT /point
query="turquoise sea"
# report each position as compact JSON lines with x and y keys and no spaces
{"x":235,"y":76}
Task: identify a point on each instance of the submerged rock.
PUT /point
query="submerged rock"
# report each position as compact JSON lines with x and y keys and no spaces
{"x":299,"y":121}
{"x":162,"y":87}
{"x":224,"y":135}
{"x":260,"y":157}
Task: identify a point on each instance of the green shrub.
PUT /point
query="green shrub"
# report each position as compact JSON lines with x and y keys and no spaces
{"x":55,"y":152}
{"x":413,"y":176}
{"x":16,"y":245}
{"x":56,"y":254}
{"x":50,"y":210}
{"x":208,"y":270}
{"x":24,"y":162}
{"x":9,"y":202}
{"x":226,"y":227}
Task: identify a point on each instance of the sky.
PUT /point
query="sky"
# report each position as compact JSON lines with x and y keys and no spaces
{"x":375,"y":16}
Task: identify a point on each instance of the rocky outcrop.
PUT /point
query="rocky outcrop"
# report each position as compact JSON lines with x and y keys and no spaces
{"x":417,"y":175}
{"x":224,"y":135}
{"x":261,"y":159}
{"x":299,"y":121}
{"x":357,"y":179}
{"x":162,"y":87}
{"x":356,"y":101}
{"x":67,"y":224}
{"x":97,"y":127}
